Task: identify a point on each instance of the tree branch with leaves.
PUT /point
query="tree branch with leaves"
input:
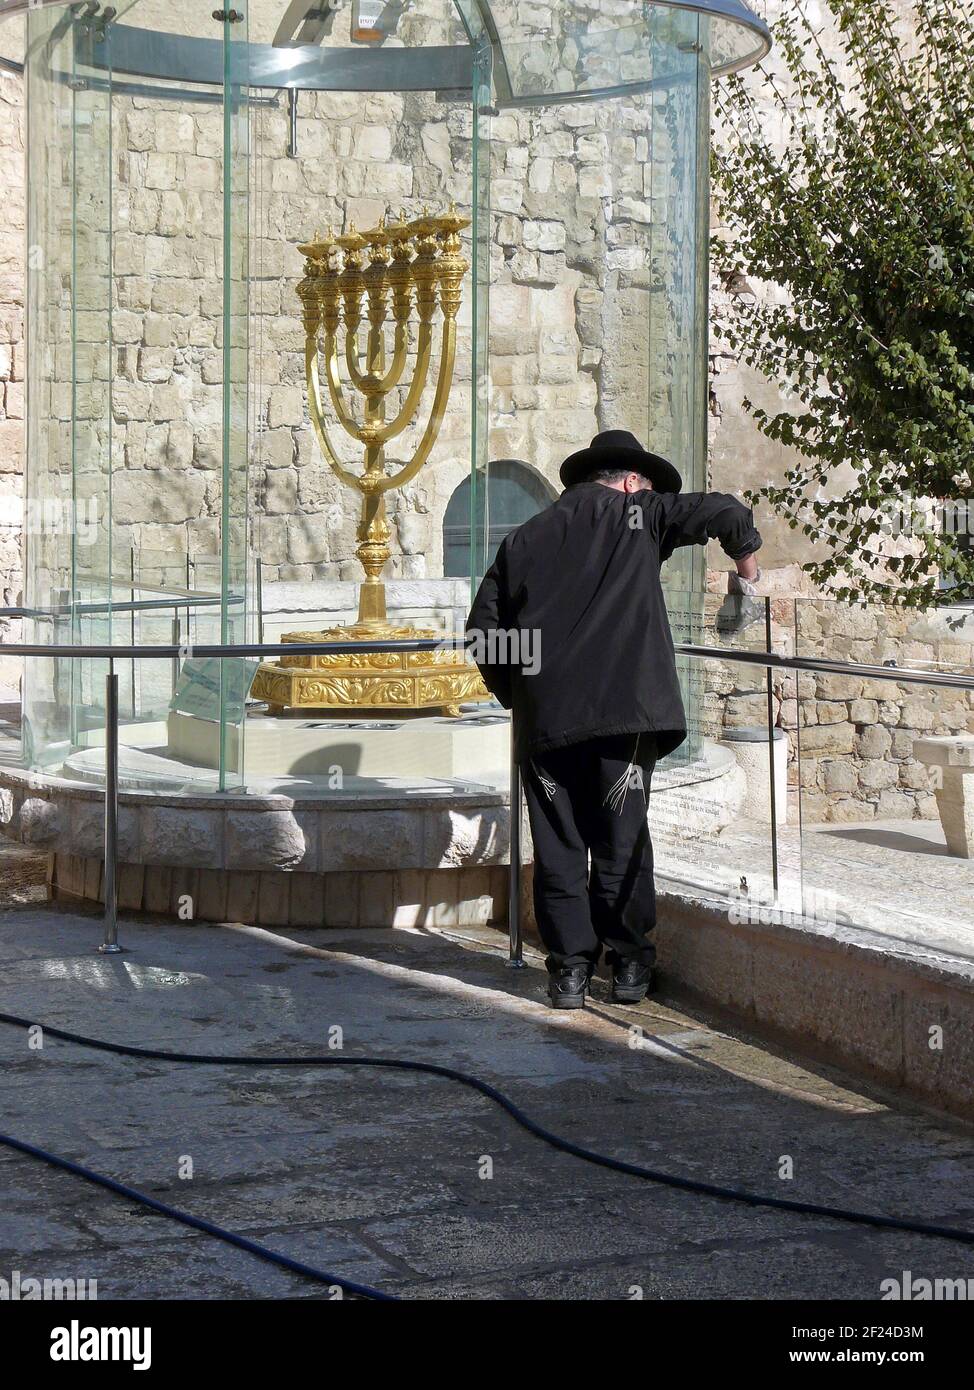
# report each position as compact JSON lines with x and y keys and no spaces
{"x":864,"y":216}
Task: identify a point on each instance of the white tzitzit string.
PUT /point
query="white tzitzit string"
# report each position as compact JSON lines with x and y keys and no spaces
{"x":615,"y":797}
{"x":546,"y":782}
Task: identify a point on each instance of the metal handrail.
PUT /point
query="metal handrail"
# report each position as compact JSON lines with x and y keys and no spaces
{"x":902,"y":674}
{"x":229,"y":651}
{"x":138,"y":605}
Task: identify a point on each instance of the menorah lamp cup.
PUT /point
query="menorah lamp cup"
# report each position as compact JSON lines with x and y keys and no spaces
{"x":396,"y":275}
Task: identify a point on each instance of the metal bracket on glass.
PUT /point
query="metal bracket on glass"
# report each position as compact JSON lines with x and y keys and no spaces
{"x":180,"y":58}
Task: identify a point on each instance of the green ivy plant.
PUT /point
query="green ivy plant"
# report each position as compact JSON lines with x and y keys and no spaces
{"x":865,"y":217}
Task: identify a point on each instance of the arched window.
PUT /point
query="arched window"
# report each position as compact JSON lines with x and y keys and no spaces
{"x":513,"y":494}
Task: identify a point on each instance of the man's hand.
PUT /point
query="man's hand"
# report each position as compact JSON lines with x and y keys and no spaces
{"x":747,"y":569}
{"x":741,"y":608}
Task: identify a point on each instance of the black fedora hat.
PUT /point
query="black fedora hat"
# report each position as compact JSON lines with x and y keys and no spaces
{"x":620,"y":449}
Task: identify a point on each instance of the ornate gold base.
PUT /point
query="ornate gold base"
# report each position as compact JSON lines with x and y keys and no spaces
{"x":386,"y":681}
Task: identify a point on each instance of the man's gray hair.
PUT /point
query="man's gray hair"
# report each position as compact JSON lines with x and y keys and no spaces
{"x":615,"y":475}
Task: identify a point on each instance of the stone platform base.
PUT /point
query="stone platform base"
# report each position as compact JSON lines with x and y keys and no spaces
{"x":404,"y":898}
{"x":474,"y":746}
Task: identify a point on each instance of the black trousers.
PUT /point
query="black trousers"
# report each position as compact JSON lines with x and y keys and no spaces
{"x":593,"y":856}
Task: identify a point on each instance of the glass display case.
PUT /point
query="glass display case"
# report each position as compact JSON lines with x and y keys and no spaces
{"x":205,"y":188}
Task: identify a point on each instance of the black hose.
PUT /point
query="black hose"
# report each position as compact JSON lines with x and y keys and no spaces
{"x":252,"y":1247}
{"x":636,"y":1170}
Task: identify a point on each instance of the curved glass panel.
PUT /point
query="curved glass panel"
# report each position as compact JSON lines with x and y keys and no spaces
{"x":561,"y":52}
{"x":543,"y":52}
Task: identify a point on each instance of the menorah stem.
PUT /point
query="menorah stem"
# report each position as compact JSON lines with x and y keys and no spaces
{"x":373,"y":552}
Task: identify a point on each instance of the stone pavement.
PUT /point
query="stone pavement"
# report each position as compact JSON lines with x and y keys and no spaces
{"x":382,"y":1177}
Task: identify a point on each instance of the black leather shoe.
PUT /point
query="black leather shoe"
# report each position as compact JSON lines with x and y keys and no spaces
{"x":567,"y":986}
{"x":631,"y":981}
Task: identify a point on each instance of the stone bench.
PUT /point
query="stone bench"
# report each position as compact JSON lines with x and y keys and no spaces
{"x":954,"y":756}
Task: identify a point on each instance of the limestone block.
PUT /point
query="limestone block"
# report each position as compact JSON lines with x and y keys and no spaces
{"x":461,"y":838}
{"x":743,"y":710}
{"x":199,"y":172}
{"x":307,"y":541}
{"x":507,"y":194}
{"x":40,"y":822}
{"x":173,"y":130}
{"x":839,"y":776}
{"x":181,"y":836}
{"x":835,"y":687}
{"x":377,"y":892}
{"x":877,"y":774}
{"x":242,"y":894}
{"x":874,"y":741}
{"x":373,"y":143}
{"x":844,"y":809}
{"x":273,"y":900}
{"x":281,"y":491}
{"x":156,"y":888}
{"x":214,"y":885}
{"x":828,"y":738}
{"x":831,"y":712}
{"x":895,"y":805}
{"x":919,"y":712}
{"x":592,"y":149}
{"x":442,"y":898}
{"x":131,"y":886}
{"x":84,"y":831}
{"x":916,"y":777}
{"x":307,"y":900}
{"x":160,"y":171}
{"x":131,"y":401}
{"x":285,"y":406}
{"x":175,"y":296}
{"x":540,"y":175}
{"x":544,"y":236}
{"x":409,"y":906}
{"x":341,"y":899}
{"x":360,"y":840}
{"x":269,"y":840}
{"x":413,"y":529}
{"x":141,"y":496}
{"x":864,"y":711}
{"x":169,"y":447}
{"x":902,"y":745}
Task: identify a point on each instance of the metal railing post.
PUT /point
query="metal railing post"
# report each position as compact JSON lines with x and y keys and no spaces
{"x":109,"y":945}
{"x":516,"y":947}
{"x":771,"y":753}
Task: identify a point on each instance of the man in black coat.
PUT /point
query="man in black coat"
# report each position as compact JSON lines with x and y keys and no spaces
{"x":570,"y":631}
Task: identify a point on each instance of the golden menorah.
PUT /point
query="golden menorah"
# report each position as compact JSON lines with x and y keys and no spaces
{"x":404,"y":271}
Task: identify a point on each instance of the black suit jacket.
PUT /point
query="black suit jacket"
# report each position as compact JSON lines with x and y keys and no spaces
{"x":582,"y":581}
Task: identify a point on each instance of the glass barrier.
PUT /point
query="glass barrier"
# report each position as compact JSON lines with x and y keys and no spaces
{"x":886,"y":772}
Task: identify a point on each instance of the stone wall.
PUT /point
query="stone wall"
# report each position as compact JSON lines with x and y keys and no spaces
{"x":850,"y":739}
